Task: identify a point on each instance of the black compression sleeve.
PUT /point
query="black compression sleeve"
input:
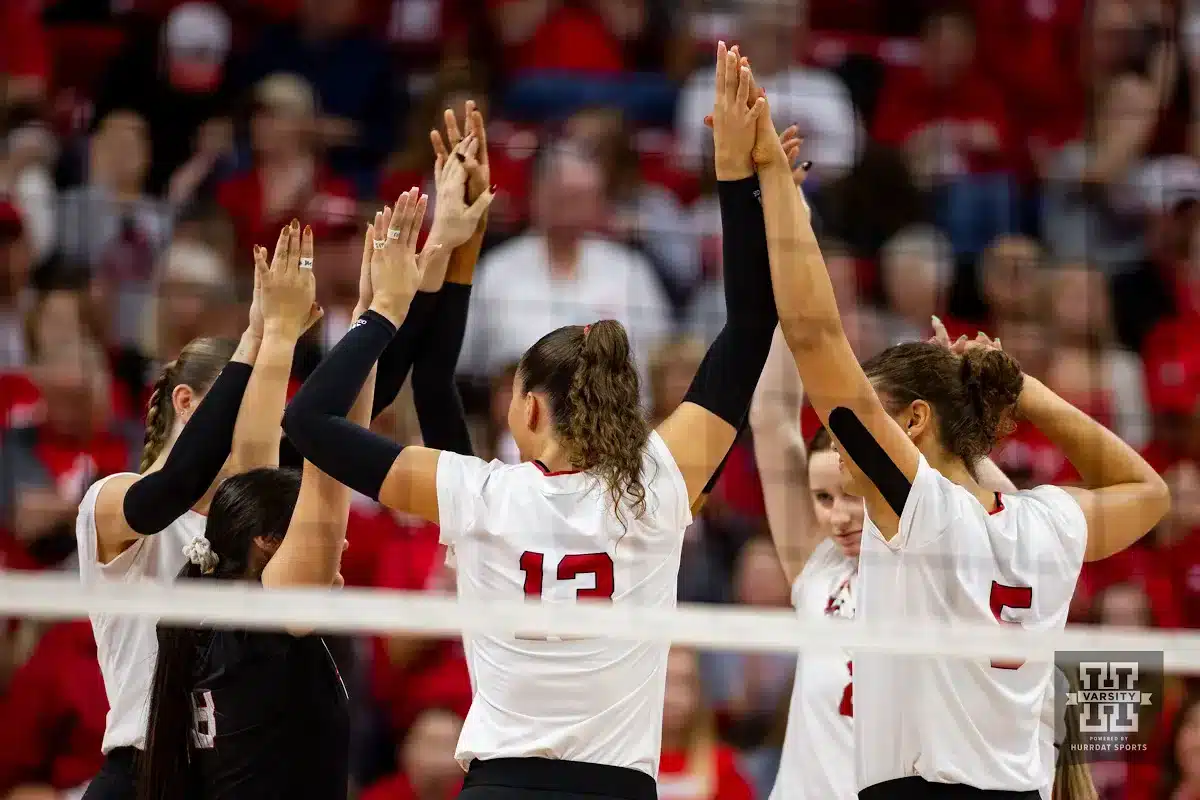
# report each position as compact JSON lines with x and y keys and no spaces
{"x":314,"y":421}
{"x":728,"y":375}
{"x":158,"y":499}
{"x":401,"y":352}
{"x":439,"y":406}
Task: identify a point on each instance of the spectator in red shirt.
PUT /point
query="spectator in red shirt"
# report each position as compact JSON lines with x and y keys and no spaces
{"x":288,"y":178}
{"x":1181,"y":767}
{"x":414,"y":673}
{"x":52,"y":716}
{"x":428,"y":770}
{"x":953,"y":124}
{"x":24,"y":60}
{"x":694,"y":765}
{"x":49,"y":466}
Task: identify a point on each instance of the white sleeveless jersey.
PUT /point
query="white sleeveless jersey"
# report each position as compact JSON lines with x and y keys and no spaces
{"x":818,"y":749}
{"x":126,"y":647}
{"x":956,"y":720}
{"x":518,"y":531}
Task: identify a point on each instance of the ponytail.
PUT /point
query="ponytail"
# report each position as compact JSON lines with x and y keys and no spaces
{"x":198,"y":365}
{"x":1072,"y":776}
{"x":606,"y":428}
{"x":592,"y":385}
{"x":992,"y":381}
{"x":164,"y":766}
{"x":159,"y":413}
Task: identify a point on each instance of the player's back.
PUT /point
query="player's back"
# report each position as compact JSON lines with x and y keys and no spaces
{"x":270,"y":718}
{"x":963,"y":720}
{"x":126,"y":646}
{"x":519,"y":531}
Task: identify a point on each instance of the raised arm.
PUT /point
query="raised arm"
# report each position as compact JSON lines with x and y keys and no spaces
{"x":1126,"y":496}
{"x":833,"y":380}
{"x":285,"y":291}
{"x":132,"y":506}
{"x":700,"y":432}
{"x":783,"y":460}
{"x":311,"y":552}
{"x":435,"y":395}
{"x":402,"y":478}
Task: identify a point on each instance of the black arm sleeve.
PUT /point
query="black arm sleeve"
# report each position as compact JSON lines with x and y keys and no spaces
{"x":728,"y":375}
{"x":439,"y":406}
{"x":315,"y":419}
{"x":158,"y":499}
{"x":402,"y":351}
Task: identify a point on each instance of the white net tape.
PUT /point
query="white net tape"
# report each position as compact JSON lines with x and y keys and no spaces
{"x":710,"y":627}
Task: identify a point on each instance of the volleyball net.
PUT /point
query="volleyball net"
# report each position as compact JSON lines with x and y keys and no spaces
{"x":709,"y":627}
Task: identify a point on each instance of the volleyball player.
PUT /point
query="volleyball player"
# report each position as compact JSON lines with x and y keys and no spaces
{"x":133,"y":527}
{"x":817,"y":528}
{"x":936,"y":544}
{"x":597,"y":510}
{"x":225,"y":721}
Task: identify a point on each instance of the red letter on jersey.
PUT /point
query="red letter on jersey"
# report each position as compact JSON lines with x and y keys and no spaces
{"x":570,"y":567}
{"x":1003,"y":597}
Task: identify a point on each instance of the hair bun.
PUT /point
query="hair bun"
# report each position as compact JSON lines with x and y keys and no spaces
{"x":993,"y":381}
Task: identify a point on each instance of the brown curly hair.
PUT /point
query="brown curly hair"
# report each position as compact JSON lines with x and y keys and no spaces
{"x":590,"y":380}
{"x":973,"y":395}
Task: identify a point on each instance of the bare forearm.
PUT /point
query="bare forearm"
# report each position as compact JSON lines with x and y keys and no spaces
{"x":247,"y":349}
{"x":466,"y":256}
{"x":803,"y":292}
{"x":1099,"y":455}
{"x":257,"y":432}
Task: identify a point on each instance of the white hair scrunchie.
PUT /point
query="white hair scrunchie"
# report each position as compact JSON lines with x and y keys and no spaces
{"x":199,"y":552}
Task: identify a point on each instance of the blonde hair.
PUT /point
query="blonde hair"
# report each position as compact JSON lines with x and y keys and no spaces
{"x":197,"y":366}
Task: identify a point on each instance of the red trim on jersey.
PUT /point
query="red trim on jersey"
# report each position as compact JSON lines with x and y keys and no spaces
{"x":552,"y":474}
{"x":999,"y":505}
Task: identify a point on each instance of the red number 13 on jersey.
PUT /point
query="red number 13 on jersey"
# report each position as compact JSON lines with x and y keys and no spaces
{"x":599,"y":565}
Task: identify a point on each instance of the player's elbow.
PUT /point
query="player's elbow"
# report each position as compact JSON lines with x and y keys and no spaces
{"x":1157,"y":498}
{"x":811,"y":333}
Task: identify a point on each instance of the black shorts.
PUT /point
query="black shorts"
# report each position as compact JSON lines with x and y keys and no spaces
{"x":515,"y":778}
{"x":115,"y":780}
{"x":916,"y":788}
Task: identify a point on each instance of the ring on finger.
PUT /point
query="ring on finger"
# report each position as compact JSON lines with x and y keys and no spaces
{"x":393,"y":234}
{"x":306,"y":263}
{"x":379,"y":244}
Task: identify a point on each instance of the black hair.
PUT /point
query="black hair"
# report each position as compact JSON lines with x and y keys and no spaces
{"x":253,"y":504}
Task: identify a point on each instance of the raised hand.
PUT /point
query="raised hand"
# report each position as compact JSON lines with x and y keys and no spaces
{"x":286,"y":288}
{"x":736,"y":119}
{"x":478,"y":169}
{"x":395,"y":271}
{"x":454,"y":221}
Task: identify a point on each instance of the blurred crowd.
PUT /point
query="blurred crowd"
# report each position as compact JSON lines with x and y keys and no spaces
{"x":1025,"y":167}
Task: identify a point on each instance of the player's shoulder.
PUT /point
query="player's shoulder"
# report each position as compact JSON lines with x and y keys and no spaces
{"x":1053,"y":503}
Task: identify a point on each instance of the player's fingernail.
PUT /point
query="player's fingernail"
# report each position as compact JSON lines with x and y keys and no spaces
{"x":806,"y":165}
{"x":936,"y":319}
{"x":295,"y":224}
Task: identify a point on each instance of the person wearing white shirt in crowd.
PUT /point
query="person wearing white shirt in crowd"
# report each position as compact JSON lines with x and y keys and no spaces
{"x":813,"y":98}
{"x":561,"y":273}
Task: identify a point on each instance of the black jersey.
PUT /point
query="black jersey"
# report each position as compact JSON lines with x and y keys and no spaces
{"x":271,"y":718}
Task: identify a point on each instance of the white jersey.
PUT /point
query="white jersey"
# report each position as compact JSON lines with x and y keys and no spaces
{"x":517,"y":530}
{"x":818,"y":750}
{"x":125,"y":646}
{"x":963,"y":720}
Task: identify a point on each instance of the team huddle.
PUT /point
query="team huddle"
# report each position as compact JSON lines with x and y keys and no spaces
{"x":892,"y":514}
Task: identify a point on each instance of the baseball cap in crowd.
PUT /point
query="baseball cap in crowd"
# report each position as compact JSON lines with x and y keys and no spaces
{"x":196,"y":41}
{"x":286,"y":93}
{"x":1168,"y":183}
